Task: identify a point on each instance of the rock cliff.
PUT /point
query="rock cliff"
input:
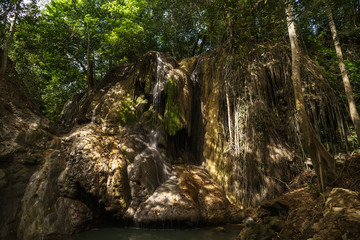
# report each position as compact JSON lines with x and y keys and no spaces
{"x":24,"y":139}
{"x":158,"y":142}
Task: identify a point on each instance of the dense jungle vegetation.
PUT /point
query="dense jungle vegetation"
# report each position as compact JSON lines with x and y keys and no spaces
{"x":60,"y":48}
{"x":199,"y":112}
{"x":63,"y":47}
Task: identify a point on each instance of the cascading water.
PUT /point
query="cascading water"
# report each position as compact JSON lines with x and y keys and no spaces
{"x":148,"y":171}
{"x":162,"y":74}
{"x":158,"y":158}
{"x":154,"y":134}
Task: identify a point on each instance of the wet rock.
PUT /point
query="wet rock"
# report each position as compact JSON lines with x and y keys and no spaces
{"x":33,"y":158}
{"x":189,"y":196}
{"x":178,"y":108}
{"x":148,"y":171}
{"x":274,"y":222}
{"x":38,"y":138}
{"x":256,"y":231}
{"x":220,"y":229}
{"x":39,"y":212}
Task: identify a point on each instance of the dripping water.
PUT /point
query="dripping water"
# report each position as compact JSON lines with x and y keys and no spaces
{"x":153,"y":139}
{"x":162,"y":72}
{"x":153,"y":146}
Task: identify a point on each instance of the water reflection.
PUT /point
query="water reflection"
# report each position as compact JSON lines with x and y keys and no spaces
{"x":156,"y":234}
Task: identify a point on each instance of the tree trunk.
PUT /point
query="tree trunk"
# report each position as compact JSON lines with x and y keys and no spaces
{"x":89,"y":77}
{"x":349,"y":93}
{"x":195,"y":45}
{"x":321,"y":158}
{"x":229,"y":22}
{"x":203,"y":41}
{"x":228,"y":110}
{"x":8,"y":42}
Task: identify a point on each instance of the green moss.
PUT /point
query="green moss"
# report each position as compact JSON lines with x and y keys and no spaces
{"x":131,"y":110}
{"x":173,"y":121}
{"x":148,"y":87}
{"x":126,"y":111}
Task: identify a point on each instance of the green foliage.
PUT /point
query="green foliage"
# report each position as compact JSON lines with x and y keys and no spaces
{"x":172,"y":117}
{"x":131,"y":109}
{"x":313,"y":189}
{"x":52,"y":46}
{"x":353,"y":70}
{"x":352,"y":138}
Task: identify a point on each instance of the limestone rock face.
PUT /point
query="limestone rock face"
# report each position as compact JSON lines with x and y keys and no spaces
{"x":168,"y":204}
{"x":189,"y":196}
{"x":24,"y":135}
{"x":95,"y":169}
{"x":130,"y":138}
{"x":148,"y":171}
{"x":83,"y":182}
{"x":46,"y":213}
{"x":116,"y":162}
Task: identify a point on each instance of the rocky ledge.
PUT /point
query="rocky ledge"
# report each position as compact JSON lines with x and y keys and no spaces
{"x":126,"y":159}
{"x":91,"y":178}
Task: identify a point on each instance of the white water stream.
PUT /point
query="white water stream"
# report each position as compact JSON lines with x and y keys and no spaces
{"x":162,"y":74}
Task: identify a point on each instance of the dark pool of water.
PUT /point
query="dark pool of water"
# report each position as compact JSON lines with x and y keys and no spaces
{"x":156,"y":234}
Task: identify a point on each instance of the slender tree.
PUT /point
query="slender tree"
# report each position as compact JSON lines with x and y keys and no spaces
{"x":9,"y":40}
{"x":89,"y":62}
{"x":321,"y":159}
{"x":348,"y":90}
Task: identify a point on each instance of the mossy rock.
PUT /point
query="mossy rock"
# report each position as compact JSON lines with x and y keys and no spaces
{"x":131,"y":109}
{"x":178,"y":107}
{"x":256,"y":231}
{"x":173,"y":118}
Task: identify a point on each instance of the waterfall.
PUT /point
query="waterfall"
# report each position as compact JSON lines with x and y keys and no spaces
{"x":154,"y":134}
{"x":162,"y":74}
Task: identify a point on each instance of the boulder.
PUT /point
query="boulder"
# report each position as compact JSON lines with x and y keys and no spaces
{"x":256,"y":231}
{"x":148,"y":171}
{"x":168,"y":204}
{"x":44,"y":212}
{"x":208,"y":196}
{"x":95,"y":171}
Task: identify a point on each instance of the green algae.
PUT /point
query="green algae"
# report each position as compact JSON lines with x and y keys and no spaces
{"x":172,"y":116}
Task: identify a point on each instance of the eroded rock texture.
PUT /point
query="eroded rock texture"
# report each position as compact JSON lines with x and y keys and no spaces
{"x":165,"y":142}
{"x":116,"y":162}
{"x":24,"y":137}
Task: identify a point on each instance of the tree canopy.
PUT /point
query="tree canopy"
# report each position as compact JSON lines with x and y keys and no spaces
{"x":64,"y":47}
